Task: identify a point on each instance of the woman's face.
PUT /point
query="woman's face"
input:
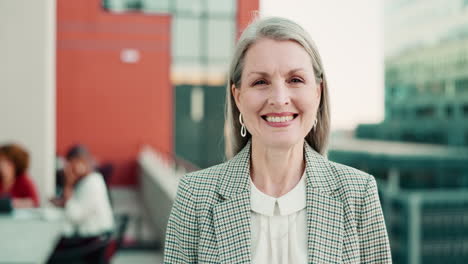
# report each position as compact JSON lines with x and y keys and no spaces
{"x":79,"y":167}
{"x":7,"y":169}
{"x":279,"y":95}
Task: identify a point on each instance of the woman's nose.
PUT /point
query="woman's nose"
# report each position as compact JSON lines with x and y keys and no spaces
{"x":279,"y":95}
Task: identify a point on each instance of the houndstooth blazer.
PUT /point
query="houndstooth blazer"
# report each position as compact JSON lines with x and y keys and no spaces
{"x":210,"y":218}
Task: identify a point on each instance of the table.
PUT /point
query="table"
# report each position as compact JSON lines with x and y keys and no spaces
{"x":28,"y":236}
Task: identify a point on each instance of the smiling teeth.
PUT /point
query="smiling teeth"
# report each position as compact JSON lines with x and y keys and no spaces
{"x":279,"y":119}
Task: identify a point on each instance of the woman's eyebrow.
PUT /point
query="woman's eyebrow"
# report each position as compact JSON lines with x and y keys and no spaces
{"x":295,"y":70}
{"x":261,"y":73}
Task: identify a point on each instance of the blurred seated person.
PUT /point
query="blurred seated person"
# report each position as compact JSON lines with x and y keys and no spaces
{"x":14,"y":179}
{"x":84,"y":198}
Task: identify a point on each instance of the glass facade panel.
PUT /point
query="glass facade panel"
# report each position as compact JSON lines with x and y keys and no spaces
{"x":117,"y":5}
{"x":227,"y":7}
{"x":186,"y":33}
{"x":461,"y":86}
{"x":156,"y":6}
{"x":189,"y":7}
{"x":150,"y":6}
{"x":220,"y":39}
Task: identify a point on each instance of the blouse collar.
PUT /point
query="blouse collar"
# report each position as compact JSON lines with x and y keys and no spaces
{"x":291,"y":202}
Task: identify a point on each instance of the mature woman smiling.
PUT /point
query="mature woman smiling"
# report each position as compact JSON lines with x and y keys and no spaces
{"x":277,"y":199}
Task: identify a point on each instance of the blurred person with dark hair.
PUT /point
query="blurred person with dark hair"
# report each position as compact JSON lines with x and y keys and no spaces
{"x":14,"y":179}
{"x":84,"y":198}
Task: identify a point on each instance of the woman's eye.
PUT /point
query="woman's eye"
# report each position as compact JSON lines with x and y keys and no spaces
{"x":259,"y":82}
{"x":296,"y":80}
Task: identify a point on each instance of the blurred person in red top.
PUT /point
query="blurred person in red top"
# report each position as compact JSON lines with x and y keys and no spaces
{"x":14,"y":180}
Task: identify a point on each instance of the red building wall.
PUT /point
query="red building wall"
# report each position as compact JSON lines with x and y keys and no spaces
{"x":246,"y":12}
{"x":113,"y":107}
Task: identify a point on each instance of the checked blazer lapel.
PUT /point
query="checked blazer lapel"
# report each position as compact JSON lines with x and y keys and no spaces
{"x":232,"y":215}
{"x":324,"y":212}
{"x":232,"y":229}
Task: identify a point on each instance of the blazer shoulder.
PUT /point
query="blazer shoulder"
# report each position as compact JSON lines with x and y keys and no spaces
{"x":205,"y":179}
{"x":349,"y":178}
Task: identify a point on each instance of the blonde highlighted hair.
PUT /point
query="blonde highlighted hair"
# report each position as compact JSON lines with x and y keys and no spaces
{"x":275,"y":28}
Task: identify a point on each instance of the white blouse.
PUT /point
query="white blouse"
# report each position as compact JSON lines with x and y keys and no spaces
{"x":89,"y":212}
{"x":279,"y":226}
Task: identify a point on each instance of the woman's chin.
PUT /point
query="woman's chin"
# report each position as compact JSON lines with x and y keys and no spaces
{"x":280,"y":141}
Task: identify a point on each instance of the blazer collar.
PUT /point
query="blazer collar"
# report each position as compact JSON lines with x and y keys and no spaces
{"x":235,"y":180}
{"x":319,"y":173}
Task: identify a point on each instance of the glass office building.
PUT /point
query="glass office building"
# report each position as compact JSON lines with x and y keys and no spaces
{"x":419,"y":153}
{"x":426,"y":73}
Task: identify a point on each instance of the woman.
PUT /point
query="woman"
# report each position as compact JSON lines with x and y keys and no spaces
{"x":88,"y":212}
{"x":278,"y":200}
{"x":85,"y":199}
{"x":14,"y":180}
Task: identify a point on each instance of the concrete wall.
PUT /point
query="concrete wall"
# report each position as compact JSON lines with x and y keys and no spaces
{"x":27,"y":84}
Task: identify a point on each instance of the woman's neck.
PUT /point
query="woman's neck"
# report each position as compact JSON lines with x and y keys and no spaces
{"x":276,"y":171}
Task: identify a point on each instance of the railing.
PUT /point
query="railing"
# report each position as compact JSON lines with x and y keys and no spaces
{"x":426,"y":226}
{"x":159,"y":178}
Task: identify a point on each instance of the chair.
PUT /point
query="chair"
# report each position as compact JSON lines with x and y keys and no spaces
{"x":88,"y":252}
{"x":118,"y":236}
{"x":97,"y":251}
{"x":106,"y":170}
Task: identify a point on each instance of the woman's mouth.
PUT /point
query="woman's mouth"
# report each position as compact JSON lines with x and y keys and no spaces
{"x":279,"y":120}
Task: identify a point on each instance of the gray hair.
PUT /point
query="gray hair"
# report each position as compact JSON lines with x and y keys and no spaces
{"x":275,"y":28}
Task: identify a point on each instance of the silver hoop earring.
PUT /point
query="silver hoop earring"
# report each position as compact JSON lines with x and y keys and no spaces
{"x":243,"y":131}
{"x":315,"y":124}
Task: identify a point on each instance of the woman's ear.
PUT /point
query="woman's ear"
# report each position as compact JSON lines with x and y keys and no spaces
{"x":236,"y":94}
